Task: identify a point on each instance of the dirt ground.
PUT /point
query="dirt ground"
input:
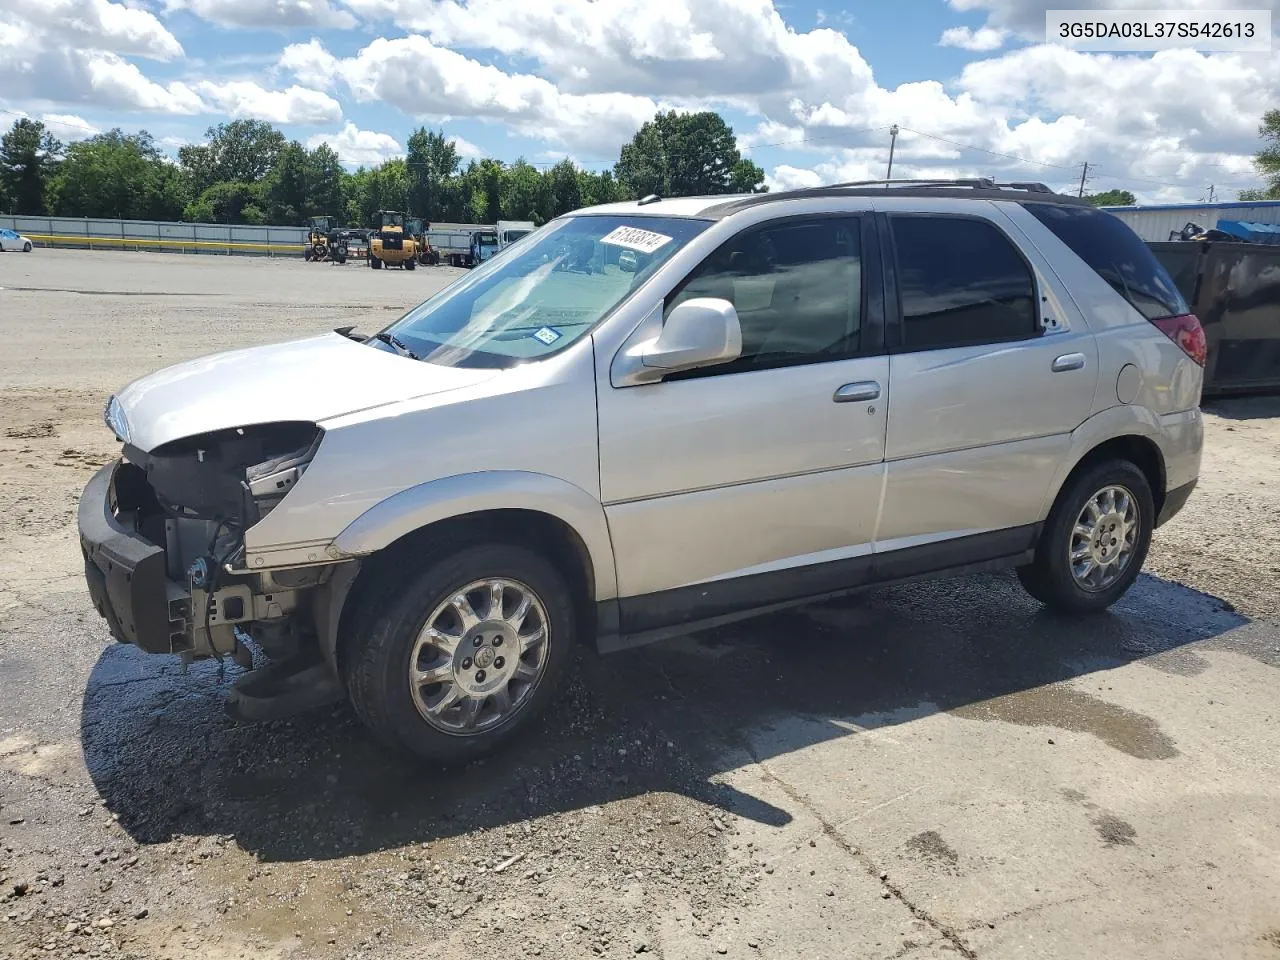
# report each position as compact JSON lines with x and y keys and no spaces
{"x":929,"y":771}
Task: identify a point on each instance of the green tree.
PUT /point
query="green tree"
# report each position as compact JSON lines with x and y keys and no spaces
{"x":242,"y":151}
{"x":115,"y":174}
{"x":324,"y":182}
{"x":484,"y":179}
{"x":225,"y":202}
{"x":384,"y":187}
{"x":29,"y":155}
{"x":684,"y":154}
{"x":564,"y":189}
{"x":286,"y":187}
{"x":746,"y":177}
{"x":1112,"y":198}
{"x":432,"y":161}
{"x":600,"y":188}
{"x":523,"y":194}
{"x":1267,"y":160}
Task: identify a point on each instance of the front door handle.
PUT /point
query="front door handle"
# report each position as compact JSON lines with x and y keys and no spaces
{"x":1068,"y":361}
{"x":856,"y":392}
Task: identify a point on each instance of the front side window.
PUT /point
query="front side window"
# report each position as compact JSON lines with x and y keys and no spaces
{"x":797,"y":289}
{"x":541,"y":295}
{"x":961,"y":283}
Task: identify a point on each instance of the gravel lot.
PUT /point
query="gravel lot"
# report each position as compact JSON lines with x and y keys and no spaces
{"x":931,"y":771}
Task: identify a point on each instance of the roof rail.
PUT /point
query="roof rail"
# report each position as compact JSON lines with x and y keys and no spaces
{"x":964,"y":188}
{"x":976,"y":183}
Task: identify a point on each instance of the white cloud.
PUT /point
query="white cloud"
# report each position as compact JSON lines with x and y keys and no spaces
{"x":733,"y":50}
{"x":296,"y":105}
{"x":267,"y":14}
{"x":467,"y":150}
{"x":426,"y":80}
{"x":96,"y":24}
{"x":67,"y":126}
{"x":786,"y":177}
{"x":358,"y":147}
{"x":311,"y":62}
{"x":110,"y":81}
{"x":982,"y":39}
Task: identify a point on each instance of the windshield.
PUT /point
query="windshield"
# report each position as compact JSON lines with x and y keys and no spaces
{"x":514,"y":235}
{"x":539,"y":297}
{"x":486,"y":238}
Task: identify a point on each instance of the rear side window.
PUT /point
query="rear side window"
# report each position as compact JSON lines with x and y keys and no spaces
{"x":961,"y":283}
{"x":1116,"y":254}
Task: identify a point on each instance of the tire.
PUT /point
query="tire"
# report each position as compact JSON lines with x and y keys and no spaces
{"x":26,"y":247}
{"x":381,"y":645}
{"x":1053,"y":578}
{"x":375,"y":262}
{"x":410,"y":264}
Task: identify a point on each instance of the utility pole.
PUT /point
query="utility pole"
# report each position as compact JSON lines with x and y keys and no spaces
{"x":1211,"y":193}
{"x":893,"y":142}
{"x":1083,"y":174}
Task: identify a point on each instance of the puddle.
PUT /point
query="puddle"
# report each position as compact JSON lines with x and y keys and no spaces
{"x":1060,"y":706}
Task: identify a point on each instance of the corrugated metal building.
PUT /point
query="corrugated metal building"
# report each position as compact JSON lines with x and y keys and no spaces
{"x":1156,"y":222}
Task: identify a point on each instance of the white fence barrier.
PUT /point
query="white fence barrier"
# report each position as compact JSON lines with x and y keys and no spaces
{"x":216,"y":238}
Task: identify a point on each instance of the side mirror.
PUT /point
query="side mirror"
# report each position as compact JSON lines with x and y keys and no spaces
{"x":697,"y":333}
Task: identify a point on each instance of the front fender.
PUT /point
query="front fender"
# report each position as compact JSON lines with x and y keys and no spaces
{"x":436,"y":500}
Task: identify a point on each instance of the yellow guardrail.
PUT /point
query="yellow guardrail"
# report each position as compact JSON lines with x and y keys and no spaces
{"x":137,"y":243}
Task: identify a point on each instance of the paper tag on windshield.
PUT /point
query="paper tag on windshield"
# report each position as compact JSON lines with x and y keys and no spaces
{"x":547,"y":335}
{"x":633,"y":238}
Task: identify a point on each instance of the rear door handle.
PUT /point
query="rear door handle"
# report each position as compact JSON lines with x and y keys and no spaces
{"x":857,"y":392}
{"x":1068,"y":361}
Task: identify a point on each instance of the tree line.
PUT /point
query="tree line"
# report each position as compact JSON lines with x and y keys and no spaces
{"x":248,"y":172}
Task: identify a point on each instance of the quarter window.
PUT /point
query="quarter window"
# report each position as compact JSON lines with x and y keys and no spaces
{"x":1117,"y":255}
{"x":961,"y":282}
{"x":797,"y":289}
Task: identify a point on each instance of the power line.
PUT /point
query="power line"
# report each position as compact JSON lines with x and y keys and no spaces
{"x":1006,"y":156}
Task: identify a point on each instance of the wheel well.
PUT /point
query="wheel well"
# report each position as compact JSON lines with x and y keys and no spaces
{"x":541,"y":532}
{"x":1139,"y":451}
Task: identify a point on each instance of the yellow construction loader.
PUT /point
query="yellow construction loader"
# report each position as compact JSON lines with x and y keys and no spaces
{"x":389,"y":243}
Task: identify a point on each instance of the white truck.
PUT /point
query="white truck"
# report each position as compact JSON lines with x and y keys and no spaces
{"x":509,"y":231}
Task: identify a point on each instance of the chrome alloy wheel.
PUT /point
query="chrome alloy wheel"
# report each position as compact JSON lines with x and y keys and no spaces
{"x":1104,"y":537}
{"x":479,"y":656}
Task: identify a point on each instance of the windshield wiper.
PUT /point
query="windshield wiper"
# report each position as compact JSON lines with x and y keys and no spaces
{"x":396,"y":344}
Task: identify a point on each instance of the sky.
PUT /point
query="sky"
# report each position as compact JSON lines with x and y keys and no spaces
{"x":810,"y":87}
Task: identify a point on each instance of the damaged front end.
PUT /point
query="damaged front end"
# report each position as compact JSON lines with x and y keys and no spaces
{"x":162,"y":532}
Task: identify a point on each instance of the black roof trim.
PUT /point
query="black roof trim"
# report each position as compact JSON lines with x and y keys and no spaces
{"x":975,"y":189}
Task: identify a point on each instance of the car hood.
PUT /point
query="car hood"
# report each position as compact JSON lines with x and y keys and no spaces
{"x":312,"y":380}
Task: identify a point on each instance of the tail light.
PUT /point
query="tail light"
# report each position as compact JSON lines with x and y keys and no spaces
{"x":1186,"y":332}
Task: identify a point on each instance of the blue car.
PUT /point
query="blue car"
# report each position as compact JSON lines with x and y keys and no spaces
{"x":13,"y":240}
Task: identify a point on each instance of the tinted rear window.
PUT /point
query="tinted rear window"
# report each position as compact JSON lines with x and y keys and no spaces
{"x":1116,"y":254}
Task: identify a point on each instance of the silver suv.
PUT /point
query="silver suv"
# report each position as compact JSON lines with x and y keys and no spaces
{"x":647,"y":418}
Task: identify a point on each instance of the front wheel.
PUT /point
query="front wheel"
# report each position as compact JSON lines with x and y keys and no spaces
{"x":375,"y":262}
{"x":462,"y":655}
{"x":1095,"y":541}
{"x":26,"y":247}
{"x":410,"y":264}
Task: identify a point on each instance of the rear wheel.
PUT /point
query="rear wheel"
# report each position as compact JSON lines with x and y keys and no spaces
{"x":410,"y":264}
{"x":1095,"y":541}
{"x":461,"y":655}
